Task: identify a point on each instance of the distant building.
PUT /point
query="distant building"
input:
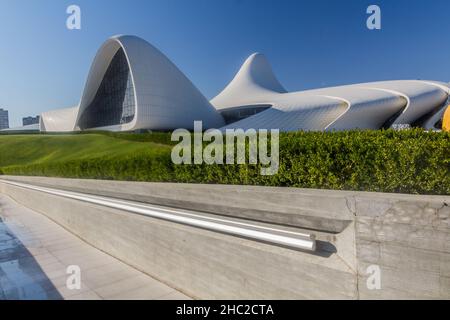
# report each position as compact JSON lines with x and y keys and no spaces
{"x":30,"y":120}
{"x":4,"y":119}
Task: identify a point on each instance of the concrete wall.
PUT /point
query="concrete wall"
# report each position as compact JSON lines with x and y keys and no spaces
{"x":407,"y":237}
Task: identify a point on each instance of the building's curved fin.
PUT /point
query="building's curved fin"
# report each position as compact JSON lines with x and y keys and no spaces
{"x":255,"y":79}
{"x":60,"y":120}
{"x":256,"y":71}
{"x":133,"y":86}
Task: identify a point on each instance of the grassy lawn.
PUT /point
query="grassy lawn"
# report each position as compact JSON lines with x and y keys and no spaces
{"x":25,"y":150}
{"x":411,"y":161}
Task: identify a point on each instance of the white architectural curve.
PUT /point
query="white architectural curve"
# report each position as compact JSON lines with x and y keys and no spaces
{"x":165,"y":98}
{"x":61,"y":120}
{"x":133,"y":86}
{"x":361,"y":106}
{"x":255,"y":81}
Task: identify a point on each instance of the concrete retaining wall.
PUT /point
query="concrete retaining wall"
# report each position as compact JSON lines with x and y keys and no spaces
{"x":407,"y":237}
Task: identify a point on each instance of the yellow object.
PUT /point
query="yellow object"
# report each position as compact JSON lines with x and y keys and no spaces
{"x":446,"y":120}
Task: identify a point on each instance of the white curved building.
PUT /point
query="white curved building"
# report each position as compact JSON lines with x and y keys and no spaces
{"x":61,"y":120}
{"x":133,"y":86}
{"x":255,"y":99}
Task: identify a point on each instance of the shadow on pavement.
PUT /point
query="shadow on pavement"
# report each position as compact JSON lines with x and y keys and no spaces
{"x":21,"y":277}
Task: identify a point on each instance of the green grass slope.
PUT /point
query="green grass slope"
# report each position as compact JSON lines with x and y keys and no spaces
{"x":26,"y":150}
{"x":411,"y":161}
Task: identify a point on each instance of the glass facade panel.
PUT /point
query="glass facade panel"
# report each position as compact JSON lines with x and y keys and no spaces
{"x":243,"y":112}
{"x":114,"y":102}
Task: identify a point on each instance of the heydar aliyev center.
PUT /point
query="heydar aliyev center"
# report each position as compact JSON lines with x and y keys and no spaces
{"x":132,"y":86}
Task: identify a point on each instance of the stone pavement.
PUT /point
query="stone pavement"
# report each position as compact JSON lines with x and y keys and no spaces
{"x":35,"y":254}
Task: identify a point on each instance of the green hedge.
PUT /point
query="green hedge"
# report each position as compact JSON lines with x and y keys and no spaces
{"x":411,"y":161}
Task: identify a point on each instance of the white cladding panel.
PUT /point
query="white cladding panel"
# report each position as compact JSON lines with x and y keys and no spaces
{"x":360,"y":106}
{"x":165,"y":99}
{"x":61,"y":120}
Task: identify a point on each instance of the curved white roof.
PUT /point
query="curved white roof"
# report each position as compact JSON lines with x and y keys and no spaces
{"x":359,"y":106}
{"x":163,"y":98}
{"x":254,"y":81}
{"x":61,"y":120}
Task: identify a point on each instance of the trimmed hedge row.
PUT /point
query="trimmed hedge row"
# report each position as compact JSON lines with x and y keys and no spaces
{"x":411,"y":161}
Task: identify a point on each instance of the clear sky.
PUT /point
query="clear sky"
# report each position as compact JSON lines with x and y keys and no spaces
{"x":316,"y":43}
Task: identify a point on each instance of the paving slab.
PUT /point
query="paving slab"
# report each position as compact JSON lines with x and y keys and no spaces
{"x":35,"y":254}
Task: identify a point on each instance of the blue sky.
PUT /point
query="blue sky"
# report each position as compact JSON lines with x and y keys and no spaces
{"x":310,"y":44}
